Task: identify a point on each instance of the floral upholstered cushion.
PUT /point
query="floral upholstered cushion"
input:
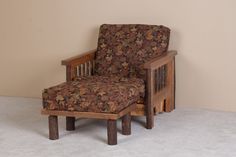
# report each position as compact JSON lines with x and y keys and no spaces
{"x":94,"y":94}
{"x":122,"y":49}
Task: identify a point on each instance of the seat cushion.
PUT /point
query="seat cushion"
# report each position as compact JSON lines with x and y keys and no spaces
{"x":101,"y":94}
{"x":123,"y":49}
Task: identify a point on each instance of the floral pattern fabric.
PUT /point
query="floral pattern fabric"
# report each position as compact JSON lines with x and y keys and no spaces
{"x":122,"y":49}
{"x":101,"y":94}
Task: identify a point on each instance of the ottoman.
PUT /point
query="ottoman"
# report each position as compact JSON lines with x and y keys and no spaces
{"x":99,"y":97}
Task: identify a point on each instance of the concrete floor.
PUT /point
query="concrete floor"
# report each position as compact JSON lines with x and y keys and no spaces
{"x":182,"y":133}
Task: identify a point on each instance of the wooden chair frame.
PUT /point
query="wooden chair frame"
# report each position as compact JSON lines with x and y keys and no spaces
{"x":160,"y":82}
{"x":160,"y":95}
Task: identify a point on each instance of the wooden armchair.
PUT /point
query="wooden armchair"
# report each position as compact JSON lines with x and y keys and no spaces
{"x":130,"y":73}
{"x":160,"y":85}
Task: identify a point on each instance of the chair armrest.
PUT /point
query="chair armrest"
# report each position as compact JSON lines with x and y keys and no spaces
{"x":79,"y":59}
{"x":159,"y":61}
{"x":160,"y":87}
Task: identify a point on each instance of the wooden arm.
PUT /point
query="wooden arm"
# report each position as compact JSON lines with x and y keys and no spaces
{"x":160,"y":61}
{"x":79,"y":59}
{"x":160,"y":87}
{"x":81,"y":65}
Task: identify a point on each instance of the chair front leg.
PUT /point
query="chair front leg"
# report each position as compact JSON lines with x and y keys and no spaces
{"x":112,"y":132}
{"x":53,"y":127}
{"x":126,"y":124}
{"x":149,"y":99}
{"x":70,"y":123}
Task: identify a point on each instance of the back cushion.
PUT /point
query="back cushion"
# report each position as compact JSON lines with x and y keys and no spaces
{"x":122,"y":49}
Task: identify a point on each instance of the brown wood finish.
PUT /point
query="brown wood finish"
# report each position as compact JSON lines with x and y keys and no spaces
{"x":70,"y":123}
{"x":174,"y":81}
{"x":89,"y":114}
{"x":127,"y":110}
{"x":53,"y":127}
{"x":126,"y":124}
{"x":160,"y":95}
{"x":87,"y":60}
{"x":81,"y":65}
{"x":160,"y":88}
{"x":68,"y":73}
{"x":80,"y":114}
{"x":111,"y":132}
{"x":139,"y":110}
{"x":80,"y":59}
{"x":158,"y":108}
{"x":169,"y":103}
{"x":160,"y":61}
{"x":149,"y":99}
{"x":111,"y":122}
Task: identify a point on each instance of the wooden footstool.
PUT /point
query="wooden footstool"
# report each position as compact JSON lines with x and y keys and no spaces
{"x":99,"y":97}
{"x":111,"y":122}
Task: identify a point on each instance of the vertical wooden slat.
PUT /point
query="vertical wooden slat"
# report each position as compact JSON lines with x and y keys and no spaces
{"x":81,"y":70}
{"x":162,"y":76}
{"x":93,"y":67}
{"x":159,"y":79}
{"x":89,"y":68}
{"x":85,"y":69}
{"x":156,"y":80}
{"x":88,"y":73}
{"x":174,"y":81}
{"x":68,"y":73}
{"x":71,"y":73}
{"x":74,"y":73}
{"x":165,"y":74}
{"x":78,"y":70}
{"x":172,"y":86}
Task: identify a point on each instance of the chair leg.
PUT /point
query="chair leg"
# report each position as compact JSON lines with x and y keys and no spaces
{"x":150,"y":117}
{"x":112,"y":132}
{"x":170,"y":100}
{"x":149,"y":99}
{"x":70,"y":123}
{"x":126,"y":124}
{"x":53,"y":127}
{"x":168,"y":106}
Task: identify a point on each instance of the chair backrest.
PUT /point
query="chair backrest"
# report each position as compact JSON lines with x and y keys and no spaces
{"x":122,"y":49}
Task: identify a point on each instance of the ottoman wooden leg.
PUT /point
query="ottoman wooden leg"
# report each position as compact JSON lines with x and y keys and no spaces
{"x":53,"y":127}
{"x":112,"y":132}
{"x":70,"y":123}
{"x":126,"y":124}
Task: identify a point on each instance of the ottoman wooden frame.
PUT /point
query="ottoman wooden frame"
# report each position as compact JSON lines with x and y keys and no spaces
{"x":110,"y":117}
